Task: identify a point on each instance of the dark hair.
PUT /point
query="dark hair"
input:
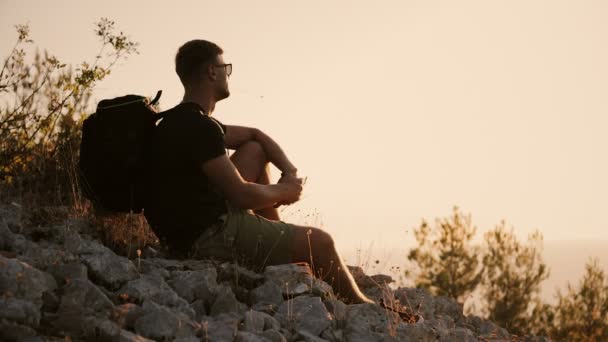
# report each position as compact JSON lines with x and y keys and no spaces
{"x":192,"y":55}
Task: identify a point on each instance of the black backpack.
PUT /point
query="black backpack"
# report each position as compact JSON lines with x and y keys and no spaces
{"x":114,"y":152}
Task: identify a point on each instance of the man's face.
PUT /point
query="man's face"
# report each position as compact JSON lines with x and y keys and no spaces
{"x":220,"y":79}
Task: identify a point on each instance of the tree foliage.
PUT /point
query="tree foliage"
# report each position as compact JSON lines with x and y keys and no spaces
{"x":42,"y":102}
{"x":512,"y":276}
{"x":581,"y":313}
{"x":448,"y":263}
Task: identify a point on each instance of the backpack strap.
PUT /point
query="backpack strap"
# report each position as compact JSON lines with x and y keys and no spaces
{"x":156,"y":98}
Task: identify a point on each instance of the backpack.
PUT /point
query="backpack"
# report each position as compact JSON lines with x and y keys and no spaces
{"x":114,"y":152}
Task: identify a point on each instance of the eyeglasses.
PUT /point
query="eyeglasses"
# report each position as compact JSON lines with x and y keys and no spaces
{"x":227,"y":67}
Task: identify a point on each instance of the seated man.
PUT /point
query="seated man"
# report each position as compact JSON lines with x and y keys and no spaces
{"x":205,"y":204}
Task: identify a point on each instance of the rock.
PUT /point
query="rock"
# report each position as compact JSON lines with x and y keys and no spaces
{"x":337,"y":309}
{"x":79,"y":245}
{"x":81,"y":297}
{"x":296,"y":279}
{"x":461,"y":334}
{"x":126,"y":314}
{"x":239,"y":276}
{"x":243,"y":336}
{"x":192,"y":285}
{"x":11,"y":215}
{"x":50,"y":302}
{"x":63,"y":273}
{"x":333,"y":334}
{"x":257,"y":322}
{"x":362,"y":280}
{"x":151,"y":287}
{"x":304,"y":314}
{"x":200,"y":309}
{"x":151,"y":268}
{"x":445,"y":306}
{"x":368,"y":322}
{"x":417,"y":299}
{"x":266,"y":297}
{"x":196,"y":265}
{"x":160,"y":323}
{"x":7,"y":237}
{"x":101,"y":329}
{"x":487,"y":328}
{"x":82,"y":302}
{"x":168,"y":264}
{"x":308,"y":337}
{"x":11,"y":331}
{"x":273,"y":335}
{"x":225,"y":302}
{"x":20,"y":311}
{"x":109,"y":269}
{"x":221,"y":328}
{"x":20,"y":280}
{"x":127,"y":336}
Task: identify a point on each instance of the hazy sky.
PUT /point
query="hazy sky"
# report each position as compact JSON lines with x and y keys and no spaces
{"x":394,"y":110}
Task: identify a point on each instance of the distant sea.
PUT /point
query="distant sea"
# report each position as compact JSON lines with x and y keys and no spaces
{"x":566,"y":260}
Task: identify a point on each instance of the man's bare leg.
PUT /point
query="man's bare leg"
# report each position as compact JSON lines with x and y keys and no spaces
{"x":316,"y":247}
{"x":321,"y":253}
{"x":252,"y":164}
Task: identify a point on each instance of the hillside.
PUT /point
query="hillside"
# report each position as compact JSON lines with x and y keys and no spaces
{"x":58,"y":280}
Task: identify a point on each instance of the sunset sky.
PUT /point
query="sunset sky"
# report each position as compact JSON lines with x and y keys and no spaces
{"x":394,"y":110}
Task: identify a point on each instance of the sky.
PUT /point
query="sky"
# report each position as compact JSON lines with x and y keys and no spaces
{"x":395,"y":111}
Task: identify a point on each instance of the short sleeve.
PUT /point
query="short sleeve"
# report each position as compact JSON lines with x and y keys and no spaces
{"x":206,"y":139}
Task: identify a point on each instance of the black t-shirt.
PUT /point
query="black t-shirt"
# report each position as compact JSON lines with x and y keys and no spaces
{"x":181,"y":202}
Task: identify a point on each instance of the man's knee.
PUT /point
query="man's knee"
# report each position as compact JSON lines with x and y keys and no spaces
{"x":320,"y":239}
{"x":253,"y":149}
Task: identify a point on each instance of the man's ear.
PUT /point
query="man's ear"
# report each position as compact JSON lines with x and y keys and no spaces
{"x":210,"y":72}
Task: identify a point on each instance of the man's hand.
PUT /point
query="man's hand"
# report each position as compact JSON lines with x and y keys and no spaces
{"x":292,"y":180}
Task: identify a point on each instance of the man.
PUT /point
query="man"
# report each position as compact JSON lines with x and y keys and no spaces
{"x":203,"y":200}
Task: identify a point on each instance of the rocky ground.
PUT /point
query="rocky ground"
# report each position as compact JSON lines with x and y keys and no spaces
{"x":58,"y":283}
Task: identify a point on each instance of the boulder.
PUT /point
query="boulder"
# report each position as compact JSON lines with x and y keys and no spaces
{"x":161,"y":323}
{"x":151,"y":287}
{"x":296,"y":279}
{"x":266,"y":297}
{"x":304,"y":313}
{"x":64,"y":273}
{"x":369,"y":322}
{"x":109,"y":269}
{"x":226,"y":302}
{"x":221,"y":328}
{"x":193,"y":285}
{"x":20,"y":280}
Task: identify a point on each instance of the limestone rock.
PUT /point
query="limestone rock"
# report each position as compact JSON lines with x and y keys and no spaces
{"x":368,"y":322}
{"x":20,"y":280}
{"x":160,"y":323}
{"x":151,"y":287}
{"x":273,"y":335}
{"x":64,"y":273}
{"x":192,"y":285}
{"x":221,"y":328}
{"x":239,"y":276}
{"x":304,"y":314}
{"x":226,"y":302}
{"x":296,"y":279}
{"x":11,"y":331}
{"x":83,"y":307}
{"x":266,"y":297}
{"x":20,"y":311}
{"x":257,"y":322}
{"x":109,"y":269}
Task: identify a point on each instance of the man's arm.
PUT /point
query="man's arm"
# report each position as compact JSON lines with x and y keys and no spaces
{"x":238,"y":135}
{"x":224,"y":175}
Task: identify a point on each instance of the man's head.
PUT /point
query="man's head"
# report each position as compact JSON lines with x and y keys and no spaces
{"x":200,"y":65}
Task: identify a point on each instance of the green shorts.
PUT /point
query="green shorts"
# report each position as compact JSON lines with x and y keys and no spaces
{"x":243,"y":237}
